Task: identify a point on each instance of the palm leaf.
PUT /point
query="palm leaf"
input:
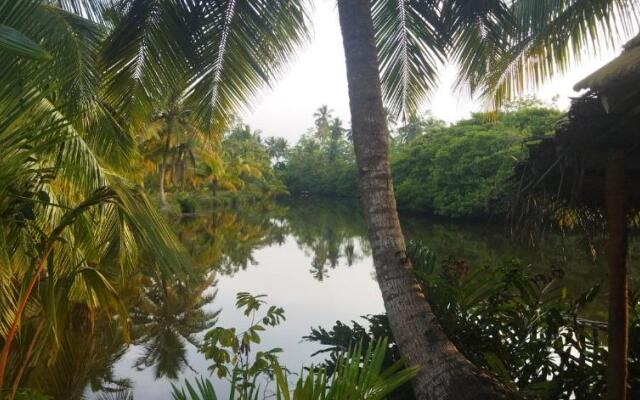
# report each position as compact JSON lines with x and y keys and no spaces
{"x":243,"y":45}
{"x":410,"y":49}
{"x":17,"y":43}
{"x":549,"y":37}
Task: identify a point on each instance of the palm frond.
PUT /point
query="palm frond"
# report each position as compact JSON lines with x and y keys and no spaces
{"x":146,"y":54}
{"x":478,"y":33}
{"x":549,"y":37}
{"x":410,"y":49}
{"x":17,"y":43}
{"x":242,"y":46}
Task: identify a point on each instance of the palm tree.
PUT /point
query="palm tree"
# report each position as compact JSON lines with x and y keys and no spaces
{"x":322,"y":120}
{"x":277,"y":148}
{"x":445,"y":373}
{"x":498,"y":45}
{"x":336,"y":133}
{"x":336,"y":130}
{"x":70,"y":219}
{"x":174,"y":132}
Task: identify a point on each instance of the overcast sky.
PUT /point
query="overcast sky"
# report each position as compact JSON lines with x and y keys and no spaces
{"x":318,"y":77}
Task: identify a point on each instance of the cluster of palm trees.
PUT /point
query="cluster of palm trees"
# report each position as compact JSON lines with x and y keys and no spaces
{"x":79,"y":80}
{"x":81,"y":83}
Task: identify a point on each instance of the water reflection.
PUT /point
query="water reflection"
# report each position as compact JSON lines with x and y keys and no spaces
{"x":225,"y":240}
{"x":310,"y":257}
{"x":166,"y":318}
{"x":85,"y":358}
{"x":328,"y":232}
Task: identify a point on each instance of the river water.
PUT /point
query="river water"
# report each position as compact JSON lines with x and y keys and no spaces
{"x":311,"y":258}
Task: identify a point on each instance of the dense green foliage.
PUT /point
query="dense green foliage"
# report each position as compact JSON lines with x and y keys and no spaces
{"x":322,"y":161}
{"x":460,"y":170}
{"x":238,"y":166}
{"x":520,"y":325}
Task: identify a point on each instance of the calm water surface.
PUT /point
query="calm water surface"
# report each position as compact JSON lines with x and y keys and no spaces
{"x":309,"y":257}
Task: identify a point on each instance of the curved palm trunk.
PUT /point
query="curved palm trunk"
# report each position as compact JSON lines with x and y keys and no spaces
{"x":22,"y":305}
{"x":163,"y":168}
{"x":25,"y":362}
{"x":445,"y":373}
{"x":618,"y":337}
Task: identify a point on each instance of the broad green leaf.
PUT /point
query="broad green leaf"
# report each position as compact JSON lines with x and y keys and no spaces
{"x":14,"y":41}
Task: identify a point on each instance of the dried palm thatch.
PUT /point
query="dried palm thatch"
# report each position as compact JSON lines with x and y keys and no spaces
{"x":567,"y":170}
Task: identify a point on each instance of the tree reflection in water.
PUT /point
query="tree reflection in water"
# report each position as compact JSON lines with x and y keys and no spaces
{"x":86,"y":356}
{"x":168,"y":317}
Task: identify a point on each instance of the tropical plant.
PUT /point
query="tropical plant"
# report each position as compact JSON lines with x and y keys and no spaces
{"x":522,"y":325}
{"x":322,"y":119}
{"x":173,"y":133}
{"x":77,"y":76}
{"x":460,"y":170}
{"x":359,"y":374}
{"x":230,"y":350}
{"x":417,"y":125}
{"x":71,"y":225}
{"x":247,"y":164}
{"x":277,"y":148}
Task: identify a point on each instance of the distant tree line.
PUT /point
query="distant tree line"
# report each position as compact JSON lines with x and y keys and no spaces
{"x":454,"y":170}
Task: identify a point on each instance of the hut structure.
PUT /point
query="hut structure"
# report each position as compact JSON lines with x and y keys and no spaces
{"x":593,"y":162}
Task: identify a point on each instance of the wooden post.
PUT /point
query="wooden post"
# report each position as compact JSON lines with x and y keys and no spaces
{"x":618,"y":336}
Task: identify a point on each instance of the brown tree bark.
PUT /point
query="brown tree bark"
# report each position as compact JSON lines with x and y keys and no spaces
{"x":618,"y":335}
{"x":25,"y":362}
{"x":445,"y":373}
{"x":163,"y":167}
{"x":22,"y":305}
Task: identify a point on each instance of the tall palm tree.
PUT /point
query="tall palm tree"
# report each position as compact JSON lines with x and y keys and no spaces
{"x":323,"y":116}
{"x":173,"y":131}
{"x":393,"y":50}
{"x":445,"y":373}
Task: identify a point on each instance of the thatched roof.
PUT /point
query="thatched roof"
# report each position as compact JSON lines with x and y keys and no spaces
{"x":569,"y":167}
{"x":617,"y":82}
{"x":618,"y":71}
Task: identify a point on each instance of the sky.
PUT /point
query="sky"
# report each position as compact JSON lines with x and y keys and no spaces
{"x":317,"y":76}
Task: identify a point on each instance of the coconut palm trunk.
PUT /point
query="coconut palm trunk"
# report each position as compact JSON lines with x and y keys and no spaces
{"x":618,"y":336}
{"x":163,"y":166}
{"x":445,"y":373}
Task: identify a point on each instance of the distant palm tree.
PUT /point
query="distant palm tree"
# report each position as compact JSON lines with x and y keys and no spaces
{"x":173,"y":131}
{"x":322,"y":120}
{"x":277,"y":148}
{"x":336,"y":129}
